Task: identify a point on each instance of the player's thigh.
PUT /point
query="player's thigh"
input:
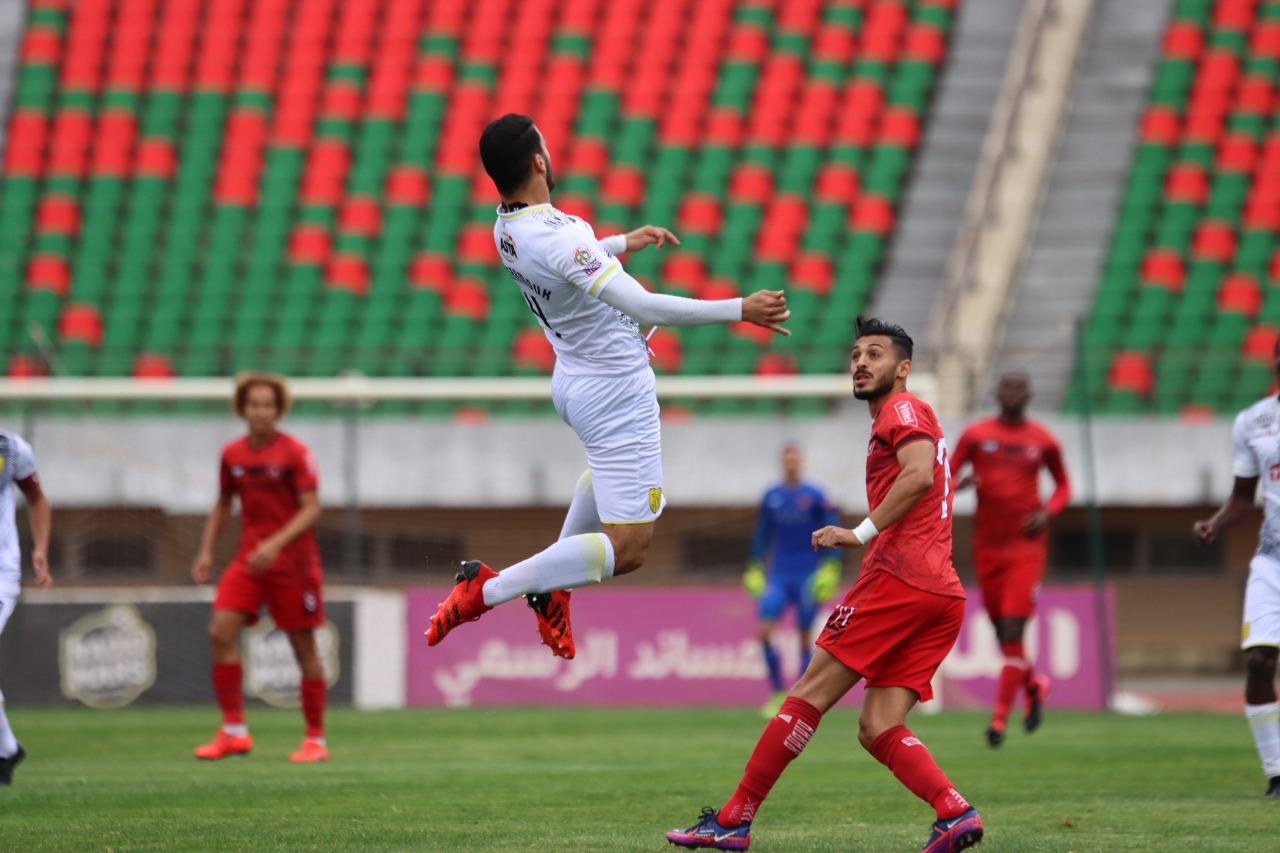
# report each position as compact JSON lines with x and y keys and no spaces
{"x":7,"y":605}
{"x":825,"y":681}
{"x":295,"y":602}
{"x":1261,"y":622}
{"x":239,"y":591}
{"x":617,"y":420}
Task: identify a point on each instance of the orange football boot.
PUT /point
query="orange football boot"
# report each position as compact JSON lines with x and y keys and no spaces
{"x":224,"y":745}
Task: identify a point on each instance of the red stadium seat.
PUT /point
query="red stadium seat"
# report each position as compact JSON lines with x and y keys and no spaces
{"x":58,"y":214}
{"x":530,"y":350}
{"x":1163,"y":268}
{"x":776,"y":364}
{"x":1236,"y":153}
{"x":665,"y":346}
{"x":1131,"y":371}
{"x":725,"y":127}
{"x":925,"y":44}
{"x":431,"y":271}
{"x":25,"y":367}
{"x":348,"y":271}
{"x":1239,"y":294}
{"x":49,"y":272}
{"x":360,"y":215}
{"x":900,"y":126}
{"x":574,"y":204}
{"x":151,"y":365}
{"x":873,"y":213}
{"x":813,"y":271}
{"x":1255,"y":95}
{"x":467,"y":297}
{"x":155,"y":158}
{"x":718,"y":287}
{"x":407,"y":185}
{"x":475,"y":244}
{"x":683,"y":270}
{"x":309,"y":244}
{"x":623,"y":184}
{"x":750,"y":183}
{"x":836,"y":183}
{"x":80,"y":322}
{"x":1233,"y":15}
{"x":700,"y":214}
{"x":1264,"y":42}
{"x":1160,"y":124}
{"x":1182,"y":40}
{"x":1215,"y":241}
{"x":1187,"y":182}
{"x":1260,"y":344}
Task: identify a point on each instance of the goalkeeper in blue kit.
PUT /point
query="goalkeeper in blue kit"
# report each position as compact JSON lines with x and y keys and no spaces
{"x":783,"y":570}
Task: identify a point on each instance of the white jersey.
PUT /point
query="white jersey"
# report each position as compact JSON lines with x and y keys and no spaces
{"x":562,"y":269}
{"x":1255,"y":439}
{"x":17,"y":462}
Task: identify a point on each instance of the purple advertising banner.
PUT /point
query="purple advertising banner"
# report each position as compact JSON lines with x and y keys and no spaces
{"x":698,"y":647}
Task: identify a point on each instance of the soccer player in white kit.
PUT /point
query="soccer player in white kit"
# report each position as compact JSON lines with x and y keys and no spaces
{"x":593,"y":312}
{"x":1255,"y":439}
{"x":18,"y":467}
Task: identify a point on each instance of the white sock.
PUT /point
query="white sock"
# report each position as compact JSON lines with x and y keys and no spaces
{"x":8,"y":743}
{"x":576,"y":561}
{"x":236,"y":729}
{"x":582,"y":517}
{"x":1265,"y":722}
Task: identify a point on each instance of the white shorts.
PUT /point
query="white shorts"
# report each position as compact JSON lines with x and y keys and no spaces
{"x":7,"y":603}
{"x":1261,"y":604}
{"x":616,"y":417}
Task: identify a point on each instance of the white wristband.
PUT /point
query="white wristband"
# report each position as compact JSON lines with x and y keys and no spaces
{"x":615,"y":244}
{"x":866,"y":531}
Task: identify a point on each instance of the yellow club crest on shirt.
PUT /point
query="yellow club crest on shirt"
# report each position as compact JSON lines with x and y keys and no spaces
{"x":1244,"y":632}
{"x":655,"y":499}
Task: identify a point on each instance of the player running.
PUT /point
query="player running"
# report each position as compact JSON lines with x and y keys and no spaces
{"x":893,"y":628}
{"x":276,"y":563}
{"x":592,"y":311}
{"x":797,"y":577}
{"x":18,"y":468}
{"x":1255,"y":439}
{"x":1011,"y":535}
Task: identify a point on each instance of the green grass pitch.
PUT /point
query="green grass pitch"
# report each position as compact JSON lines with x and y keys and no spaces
{"x":577,"y":780}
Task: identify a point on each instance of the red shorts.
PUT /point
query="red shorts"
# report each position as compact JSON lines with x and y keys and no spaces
{"x":292,"y":599}
{"x":1010,"y":579}
{"x":893,"y":634}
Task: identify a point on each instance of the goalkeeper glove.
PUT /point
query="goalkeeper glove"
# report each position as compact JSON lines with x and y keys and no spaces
{"x":825,"y":580}
{"x":753,"y":579}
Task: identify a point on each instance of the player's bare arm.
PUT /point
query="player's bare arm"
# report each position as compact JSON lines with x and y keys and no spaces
{"x":202,"y":565}
{"x":650,"y":235}
{"x":40,"y":518}
{"x":1035,"y":522}
{"x":303,"y":520}
{"x":1232,"y":512}
{"x":767,"y":309}
{"x":917,"y":461}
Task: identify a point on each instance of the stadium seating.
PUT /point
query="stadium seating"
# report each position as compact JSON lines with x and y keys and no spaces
{"x":201,"y":187}
{"x":1188,"y":306}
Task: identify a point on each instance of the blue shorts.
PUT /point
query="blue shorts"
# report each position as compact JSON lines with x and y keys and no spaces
{"x":790,"y":590}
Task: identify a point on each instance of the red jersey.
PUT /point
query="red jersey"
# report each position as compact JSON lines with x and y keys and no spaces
{"x":1006,"y":460}
{"x":269,"y":481}
{"x":916,"y":548}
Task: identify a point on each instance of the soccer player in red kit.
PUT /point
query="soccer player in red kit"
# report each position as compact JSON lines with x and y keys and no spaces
{"x":1011,"y":534}
{"x":893,"y":628}
{"x":277,"y":563}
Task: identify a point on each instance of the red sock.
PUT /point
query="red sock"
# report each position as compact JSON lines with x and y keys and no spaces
{"x":904,"y":754}
{"x":1014,"y":675}
{"x":228,"y":680}
{"x":784,"y":738}
{"x":314,"y":693}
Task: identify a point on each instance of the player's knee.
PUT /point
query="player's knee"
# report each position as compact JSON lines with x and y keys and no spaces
{"x":1260,"y":665}
{"x":868,"y":731}
{"x":630,"y":546}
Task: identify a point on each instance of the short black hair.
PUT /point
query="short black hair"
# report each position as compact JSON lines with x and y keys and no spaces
{"x":507,"y":147}
{"x":902,"y":342}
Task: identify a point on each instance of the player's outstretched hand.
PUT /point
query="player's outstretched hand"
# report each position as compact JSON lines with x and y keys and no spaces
{"x":1203,"y":531}
{"x":649,"y":235}
{"x":768,"y":309}
{"x":200,"y":567}
{"x":835,"y":537}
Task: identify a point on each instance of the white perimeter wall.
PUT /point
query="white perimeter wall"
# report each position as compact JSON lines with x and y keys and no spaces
{"x":172,"y":463}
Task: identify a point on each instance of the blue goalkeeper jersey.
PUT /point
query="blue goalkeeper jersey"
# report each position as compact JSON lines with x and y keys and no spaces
{"x":784,"y":529}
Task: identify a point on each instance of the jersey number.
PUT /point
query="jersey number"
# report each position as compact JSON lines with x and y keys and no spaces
{"x":537,"y":312}
{"x":946,"y":475}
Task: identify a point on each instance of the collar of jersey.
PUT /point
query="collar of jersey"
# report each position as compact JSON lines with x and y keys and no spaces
{"x":515,"y":214}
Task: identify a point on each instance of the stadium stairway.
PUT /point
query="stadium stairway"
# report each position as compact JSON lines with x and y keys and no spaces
{"x":934,"y":205}
{"x":1069,"y":243}
{"x":11,"y":14}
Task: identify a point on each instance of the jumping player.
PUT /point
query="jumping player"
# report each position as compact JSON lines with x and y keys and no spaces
{"x":18,"y":467}
{"x":591,"y":311}
{"x":277,"y":563}
{"x":1255,"y":440}
{"x":1011,"y":534}
{"x":893,"y":628}
{"x":797,"y":577}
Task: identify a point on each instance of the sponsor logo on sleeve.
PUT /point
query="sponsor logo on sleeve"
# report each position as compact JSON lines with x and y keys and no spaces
{"x":906,"y":414}
{"x":586,"y":259}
